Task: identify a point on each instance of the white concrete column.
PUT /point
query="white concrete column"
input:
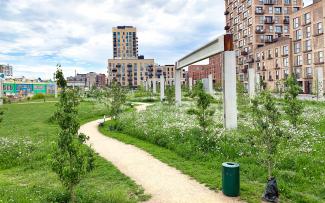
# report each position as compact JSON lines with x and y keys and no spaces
{"x":154,"y":85}
{"x":230,"y":97}
{"x":210,"y":84}
{"x":258,"y":82}
{"x":162,"y":87}
{"x":1,"y":92}
{"x":178,"y":87}
{"x":146,"y":85}
{"x":320,"y":82}
{"x":55,"y":90}
{"x":251,"y":82}
{"x":190,"y":83}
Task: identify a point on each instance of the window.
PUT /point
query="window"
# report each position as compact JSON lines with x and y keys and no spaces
{"x":308,"y":32}
{"x":297,"y":47}
{"x":278,"y":10}
{"x":298,"y":60}
{"x":295,"y":23}
{"x":286,"y":62}
{"x":287,"y":2}
{"x":309,"y":72}
{"x":298,"y":35}
{"x":278,"y":29}
{"x":276,"y":52}
{"x":285,"y":50}
{"x":309,"y":58}
{"x":321,"y":57}
{"x":259,"y":10}
{"x":307,"y":18}
{"x":308,"y":45}
{"x":319,"y":28}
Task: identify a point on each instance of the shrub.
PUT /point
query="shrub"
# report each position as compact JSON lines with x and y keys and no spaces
{"x":38,"y":96}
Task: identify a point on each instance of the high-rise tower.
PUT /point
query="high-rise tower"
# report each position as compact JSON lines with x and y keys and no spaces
{"x":125,"y":42}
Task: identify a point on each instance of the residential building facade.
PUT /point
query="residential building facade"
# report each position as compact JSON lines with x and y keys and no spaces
{"x":308,"y":44}
{"x":125,"y":42}
{"x":274,"y":64}
{"x":199,"y":72}
{"x":6,"y":70}
{"x":256,"y":23}
{"x":169,"y":74}
{"x":130,"y":72}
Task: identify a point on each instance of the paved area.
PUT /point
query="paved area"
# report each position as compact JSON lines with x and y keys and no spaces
{"x":164,"y":183}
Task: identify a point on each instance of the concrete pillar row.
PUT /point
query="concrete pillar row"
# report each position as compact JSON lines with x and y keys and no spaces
{"x":154,"y":85}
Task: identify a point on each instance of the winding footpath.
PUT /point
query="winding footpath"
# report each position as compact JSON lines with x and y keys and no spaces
{"x":164,"y":183}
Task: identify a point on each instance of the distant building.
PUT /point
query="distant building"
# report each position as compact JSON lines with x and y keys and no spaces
{"x":6,"y":70}
{"x":88,"y":80}
{"x":273,"y":63}
{"x":169,"y":74}
{"x":125,"y":42}
{"x":101,"y":80}
{"x":130,"y":72}
{"x":308,"y":44}
{"x":199,"y":72}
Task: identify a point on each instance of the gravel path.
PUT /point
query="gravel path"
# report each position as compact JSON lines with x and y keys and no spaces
{"x":164,"y":183}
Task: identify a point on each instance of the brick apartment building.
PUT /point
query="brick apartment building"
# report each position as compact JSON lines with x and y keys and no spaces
{"x":199,"y":72}
{"x":256,"y":23}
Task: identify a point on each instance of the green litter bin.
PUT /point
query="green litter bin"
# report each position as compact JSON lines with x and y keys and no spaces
{"x":230,"y":179}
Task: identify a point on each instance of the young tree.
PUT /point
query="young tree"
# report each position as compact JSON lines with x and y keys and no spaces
{"x":293,"y":106}
{"x":170,"y":95}
{"x":71,"y":159}
{"x":117,"y":98}
{"x":203,"y":111}
{"x":267,"y":121}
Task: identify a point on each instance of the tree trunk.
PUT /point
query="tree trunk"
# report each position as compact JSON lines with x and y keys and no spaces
{"x":72,"y":194}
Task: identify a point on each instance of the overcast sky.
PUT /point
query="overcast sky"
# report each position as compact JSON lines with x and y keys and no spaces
{"x":35,"y":35}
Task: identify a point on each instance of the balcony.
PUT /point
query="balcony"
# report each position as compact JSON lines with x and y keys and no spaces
{"x":244,"y":70}
{"x":244,"y":53}
{"x":269,"y":57}
{"x":227,"y":27}
{"x":269,"y":2}
{"x":319,"y":63}
{"x":114,"y":70}
{"x":277,"y":67}
{"x":226,"y":12}
{"x":271,"y":79}
{"x":260,"y":31}
{"x":286,"y":21}
{"x":259,"y":12}
{"x":269,"y":21}
{"x":308,"y":77}
{"x":250,"y":60}
{"x":263,"y":69}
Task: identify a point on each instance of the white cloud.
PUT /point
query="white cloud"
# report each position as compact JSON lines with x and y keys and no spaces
{"x":79,"y":33}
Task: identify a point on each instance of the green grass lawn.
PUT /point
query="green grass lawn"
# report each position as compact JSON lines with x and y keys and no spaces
{"x":26,"y":139}
{"x":169,"y":134}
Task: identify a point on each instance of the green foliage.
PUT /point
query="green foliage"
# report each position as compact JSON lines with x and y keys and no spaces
{"x":38,"y":96}
{"x":242,"y":98}
{"x":203,"y":111}
{"x":117,"y":98}
{"x":267,"y":123}
{"x":293,"y":106}
{"x":170,"y":94}
{"x":71,"y":159}
{"x":60,"y":81}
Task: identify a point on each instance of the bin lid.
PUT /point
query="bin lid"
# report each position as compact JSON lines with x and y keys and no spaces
{"x":230,"y":165}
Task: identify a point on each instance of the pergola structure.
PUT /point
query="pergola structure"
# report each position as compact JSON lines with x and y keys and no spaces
{"x":222,"y":44}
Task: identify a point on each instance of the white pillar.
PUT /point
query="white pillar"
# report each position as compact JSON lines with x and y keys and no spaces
{"x":1,"y":91}
{"x":178,"y":88}
{"x":210,"y":84}
{"x":230,"y":97}
{"x":55,"y":90}
{"x":154,"y":85}
{"x":162,"y":87}
{"x":258,"y":82}
{"x":251,"y":82}
{"x":146,"y":85}
{"x":320,"y":83}
{"x":190,"y":83}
